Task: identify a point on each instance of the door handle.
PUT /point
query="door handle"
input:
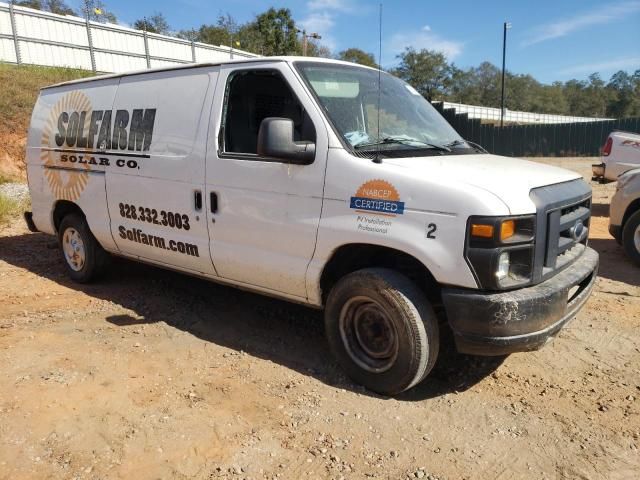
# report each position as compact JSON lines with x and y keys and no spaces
{"x":197,"y":200}
{"x":213,"y":196}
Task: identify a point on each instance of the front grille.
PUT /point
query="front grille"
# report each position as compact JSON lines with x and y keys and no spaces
{"x":566,"y":227}
{"x":563,"y":214}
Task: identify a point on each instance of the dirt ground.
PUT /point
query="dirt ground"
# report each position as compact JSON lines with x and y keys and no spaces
{"x":152,"y":374}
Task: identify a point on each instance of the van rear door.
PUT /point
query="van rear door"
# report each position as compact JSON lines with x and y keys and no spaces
{"x":156,"y":192}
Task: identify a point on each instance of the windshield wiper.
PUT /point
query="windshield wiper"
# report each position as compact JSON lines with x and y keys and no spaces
{"x":404,"y":141}
{"x":455,"y":143}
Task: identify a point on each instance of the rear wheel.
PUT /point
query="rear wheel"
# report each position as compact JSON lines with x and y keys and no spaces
{"x":83,"y":256}
{"x":382,"y":330}
{"x":631,"y":237}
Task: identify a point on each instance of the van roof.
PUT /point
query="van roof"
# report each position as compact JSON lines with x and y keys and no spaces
{"x":288,"y":59}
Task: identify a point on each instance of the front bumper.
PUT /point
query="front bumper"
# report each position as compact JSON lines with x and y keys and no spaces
{"x":520,"y":320}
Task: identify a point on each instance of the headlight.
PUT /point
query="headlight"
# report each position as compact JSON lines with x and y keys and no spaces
{"x":499,"y":250}
{"x":503,"y":266}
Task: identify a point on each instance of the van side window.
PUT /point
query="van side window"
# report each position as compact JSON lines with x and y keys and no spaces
{"x":252,"y":96}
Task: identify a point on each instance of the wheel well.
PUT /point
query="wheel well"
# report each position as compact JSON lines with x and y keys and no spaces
{"x":352,"y":257}
{"x":62,"y":209}
{"x":631,"y":209}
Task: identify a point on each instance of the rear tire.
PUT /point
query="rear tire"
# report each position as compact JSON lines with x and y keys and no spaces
{"x":83,"y":256}
{"x":382,"y":330}
{"x":631,"y":237}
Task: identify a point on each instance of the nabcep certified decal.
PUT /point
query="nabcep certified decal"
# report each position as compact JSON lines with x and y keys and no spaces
{"x":378,"y":197}
{"x":375,"y":200}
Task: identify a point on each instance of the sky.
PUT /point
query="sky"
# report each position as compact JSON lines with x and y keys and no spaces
{"x":549,"y":39}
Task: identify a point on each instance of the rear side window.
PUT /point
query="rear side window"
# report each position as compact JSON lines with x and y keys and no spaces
{"x":163,"y":108}
{"x":250,"y":97}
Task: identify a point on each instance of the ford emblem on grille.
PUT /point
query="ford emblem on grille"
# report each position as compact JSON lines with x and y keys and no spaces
{"x":578,"y":231}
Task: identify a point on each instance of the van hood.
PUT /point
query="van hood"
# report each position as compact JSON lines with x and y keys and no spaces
{"x":510,"y":179}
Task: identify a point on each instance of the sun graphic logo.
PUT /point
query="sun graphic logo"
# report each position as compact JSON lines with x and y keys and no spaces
{"x":378,"y":197}
{"x":65,"y":184}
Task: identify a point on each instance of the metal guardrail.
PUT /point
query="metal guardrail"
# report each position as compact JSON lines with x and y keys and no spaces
{"x":35,"y":37}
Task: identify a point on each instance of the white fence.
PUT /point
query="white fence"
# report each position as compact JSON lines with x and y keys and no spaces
{"x":511,"y":116}
{"x":30,"y":36}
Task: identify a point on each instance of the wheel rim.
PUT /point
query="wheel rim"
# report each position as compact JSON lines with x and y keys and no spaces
{"x":368,"y":334}
{"x":636,"y":238}
{"x":73,"y":248}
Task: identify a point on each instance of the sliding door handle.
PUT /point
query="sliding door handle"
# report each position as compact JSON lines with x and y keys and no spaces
{"x":213,"y":197}
{"x":197,"y":200}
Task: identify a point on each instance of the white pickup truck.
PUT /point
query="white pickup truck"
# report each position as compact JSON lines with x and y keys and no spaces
{"x":321,"y":182}
{"x":624,"y":213}
{"x":621,"y":152}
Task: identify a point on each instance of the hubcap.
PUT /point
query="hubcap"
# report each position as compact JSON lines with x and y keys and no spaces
{"x":368,"y":334}
{"x":636,"y":238}
{"x":73,"y":248}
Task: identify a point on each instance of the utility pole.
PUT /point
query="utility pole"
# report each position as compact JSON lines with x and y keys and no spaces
{"x":305,"y":40}
{"x":507,"y":26}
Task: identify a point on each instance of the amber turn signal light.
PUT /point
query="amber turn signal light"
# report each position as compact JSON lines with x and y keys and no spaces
{"x":507,"y":229}
{"x":482,"y":231}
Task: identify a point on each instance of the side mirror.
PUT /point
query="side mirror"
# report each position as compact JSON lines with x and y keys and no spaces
{"x":275,"y":140}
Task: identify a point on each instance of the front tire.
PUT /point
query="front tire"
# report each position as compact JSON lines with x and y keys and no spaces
{"x":631,"y":237}
{"x":382,"y":330}
{"x":83,"y":256}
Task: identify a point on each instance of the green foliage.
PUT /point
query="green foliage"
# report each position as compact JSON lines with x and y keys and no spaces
{"x":53,"y":6}
{"x":277,"y":32}
{"x":220,"y":33}
{"x":155,"y":23}
{"x":356,"y":55}
{"x":273,"y":32}
{"x":431,"y":74}
{"x":426,"y":70}
{"x":20,"y":87}
{"x":10,"y":208}
{"x":97,"y":11}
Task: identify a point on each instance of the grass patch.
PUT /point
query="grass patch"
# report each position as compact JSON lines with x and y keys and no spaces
{"x":11,"y":208}
{"x":20,"y":87}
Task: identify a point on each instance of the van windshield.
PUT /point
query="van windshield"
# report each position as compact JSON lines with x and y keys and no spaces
{"x":407,"y":122}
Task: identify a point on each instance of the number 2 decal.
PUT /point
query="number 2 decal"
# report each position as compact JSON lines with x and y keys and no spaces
{"x":431,"y":230}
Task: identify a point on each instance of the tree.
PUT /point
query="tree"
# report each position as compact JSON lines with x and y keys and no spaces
{"x":156,"y":23}
{"x":623,"y":95}
{"x":96,"y":10}
{"x":276,"y":31}
{"x":59,"y":7}
{"x":315,"y":49}
{"x":356,"y":55}
{"x":35,"y":4}
{"x":273,"y":32}
{"x":426,"y":70}
{"x":53,"y":6}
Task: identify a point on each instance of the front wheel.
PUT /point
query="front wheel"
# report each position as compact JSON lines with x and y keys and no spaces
{"x":83,"y":256}
{"x":631,"y":237}
{"x":382,"y":330}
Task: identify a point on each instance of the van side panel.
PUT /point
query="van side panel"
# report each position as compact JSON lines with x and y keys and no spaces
{"x":160,"y":133}
{"x":62,"y":161}
{"x":378,"y":204}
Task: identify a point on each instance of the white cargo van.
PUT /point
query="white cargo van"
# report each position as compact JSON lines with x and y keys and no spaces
{"x":309,"y":180}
